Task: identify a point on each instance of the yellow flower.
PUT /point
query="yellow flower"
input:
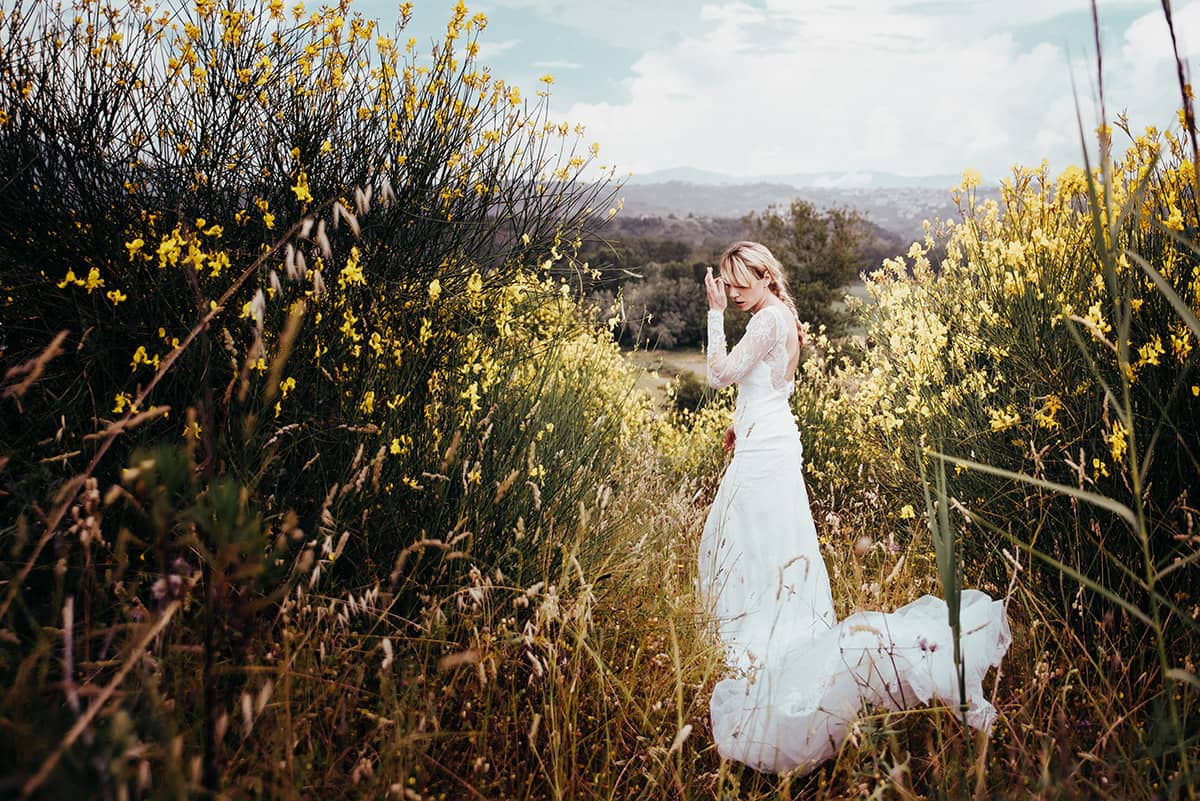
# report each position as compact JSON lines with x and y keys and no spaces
{"x":352,"y":273}
{"x":547,"y":79}
{"x":192,"y":429}
{"x":475,"y":283}
{"x":395,"y":447}
{"x":1118,"y":441}
{"x":218,"y":263}
{"x":116,"y":296}
{"x":368,"y":402}
{"x":134,"y":247}
{"x":1003,"y":419}
{"x":348,"y":327}
{"x":1046,"y":416}
{"x":435,"y":290}
{"x":301,"y":188}
{"x":1175,"y":220}
{"x":93,"y":281}
{"x":170,"y":249}
{"x":286,"y":386}
{"x":1181,"y":343}
{"x":123,"y":400}
{"x":141,"y":356}
{"x":1096,"y":319}
{"x":1072,"y":183}
{"x":1149,"y":353}
{"x":471,"y":395}
{"x":70,"y":278}
{"x":907,"y":512}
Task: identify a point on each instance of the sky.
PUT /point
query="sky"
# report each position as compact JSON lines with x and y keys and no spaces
{"x":770,"y":87}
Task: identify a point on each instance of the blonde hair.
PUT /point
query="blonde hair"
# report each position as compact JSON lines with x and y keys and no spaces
{"x":742,"y":263}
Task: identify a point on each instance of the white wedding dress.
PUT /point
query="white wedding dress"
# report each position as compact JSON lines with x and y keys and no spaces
{"x":798,"y":676}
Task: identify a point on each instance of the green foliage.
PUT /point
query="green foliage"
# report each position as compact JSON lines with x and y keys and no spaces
{"x":689,"y":391}
{"x":650,"y":278}
{"x":664,"y":309}
{"x":821,"y":252}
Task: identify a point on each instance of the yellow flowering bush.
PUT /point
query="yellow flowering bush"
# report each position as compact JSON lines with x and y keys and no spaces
{"x":270,"y":308}
{"x":978,"y":353}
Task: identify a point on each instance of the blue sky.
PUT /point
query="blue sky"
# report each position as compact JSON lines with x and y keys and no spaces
{"x":916,"y":87}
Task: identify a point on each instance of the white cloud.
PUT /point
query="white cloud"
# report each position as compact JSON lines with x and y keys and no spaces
{"x":874,"y":85}
{"x":488,"y":51}
{"x":1147,"y":42}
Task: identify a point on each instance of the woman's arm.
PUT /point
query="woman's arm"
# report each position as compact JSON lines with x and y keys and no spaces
{"x":726,"y":369}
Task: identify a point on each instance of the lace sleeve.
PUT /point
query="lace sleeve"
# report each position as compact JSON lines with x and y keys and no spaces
{"x":761,"y":336}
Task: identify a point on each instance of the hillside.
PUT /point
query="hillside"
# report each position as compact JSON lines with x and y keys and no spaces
{"x":710,"y":235}
{"x":900,"y":210}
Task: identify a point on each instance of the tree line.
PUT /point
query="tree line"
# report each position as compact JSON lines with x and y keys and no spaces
{"x":646,"y":272}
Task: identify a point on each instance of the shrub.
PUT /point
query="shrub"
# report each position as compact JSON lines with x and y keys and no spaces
{"x":278,"y":304}
{"x":1051,"y":356}
{"x":689,"y":391}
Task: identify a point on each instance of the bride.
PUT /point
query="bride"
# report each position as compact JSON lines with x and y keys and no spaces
{"x":798,"y":676}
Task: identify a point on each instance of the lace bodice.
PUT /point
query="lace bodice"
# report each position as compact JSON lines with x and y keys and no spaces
{"x":765,"y":343}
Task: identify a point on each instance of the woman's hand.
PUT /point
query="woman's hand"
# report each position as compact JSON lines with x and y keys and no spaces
{"x":715,"y":288}
{"x":730,"y":438}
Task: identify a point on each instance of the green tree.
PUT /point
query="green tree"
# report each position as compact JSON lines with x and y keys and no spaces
{"x":821,"y":251}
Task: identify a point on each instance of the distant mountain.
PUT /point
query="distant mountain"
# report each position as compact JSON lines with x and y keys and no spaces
{"x":824,"y":180}
{"x":901,"y":210}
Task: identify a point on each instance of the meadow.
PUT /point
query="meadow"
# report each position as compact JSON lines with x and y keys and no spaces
{"x":316,"y":481}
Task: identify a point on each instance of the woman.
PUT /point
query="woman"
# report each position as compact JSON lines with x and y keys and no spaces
{"x":799,"y":677}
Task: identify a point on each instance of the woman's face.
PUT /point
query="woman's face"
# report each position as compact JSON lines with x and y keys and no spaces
{"x":749,"y":297}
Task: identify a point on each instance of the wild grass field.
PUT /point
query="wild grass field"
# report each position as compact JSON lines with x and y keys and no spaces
{"x":316,"y":482}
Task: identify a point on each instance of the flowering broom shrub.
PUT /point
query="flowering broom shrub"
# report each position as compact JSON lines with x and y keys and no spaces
{"x":1051,"y":357}
{"x":281,"y":317}
{"x":1003,"y":352}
